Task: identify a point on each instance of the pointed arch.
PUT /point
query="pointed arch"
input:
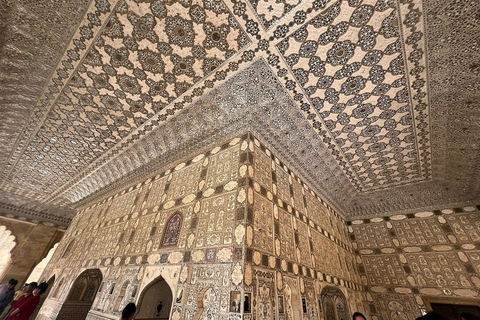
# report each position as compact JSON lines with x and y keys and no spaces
{"x":80,"y":298}
{"x":171,"y":232}
{"x":90,"y":292}
{"x":121,"y":296}
{"x":58,"y":288}
{"x":334,"y":304}
{"x":155,"y":301}
{"x":77,"y":291}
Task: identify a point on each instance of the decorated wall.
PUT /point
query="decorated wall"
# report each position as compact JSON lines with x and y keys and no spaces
{"x":231,"y":232}
{"x":408,"y":260}
{"x":299,"y":261}
{"x":184,"y":225}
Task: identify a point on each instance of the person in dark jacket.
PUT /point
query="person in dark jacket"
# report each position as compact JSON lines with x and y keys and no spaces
{"x":5,"y":287}
{"x":7,"y":296}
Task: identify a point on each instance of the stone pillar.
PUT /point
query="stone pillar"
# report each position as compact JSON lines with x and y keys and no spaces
{"x":33,"y":243}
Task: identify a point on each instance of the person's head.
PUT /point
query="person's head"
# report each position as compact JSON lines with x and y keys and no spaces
{"x":28,"y":288}
{"x":358,"y":316}
{"x":12,"y":283}
{"x":129,"y":311}
{"x":41,"y":288}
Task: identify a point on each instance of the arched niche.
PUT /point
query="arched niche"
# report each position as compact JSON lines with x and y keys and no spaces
{"x":121,"y":296}
{"x":155,"y":301}
{"x":58,"y":288}
{"x":7,"y":243}
{"x":171,"y":232}
{"x":80,"y":298}
{"x":334,"y":304}
{"x":205,"y":301}
{"x":293,"y":301}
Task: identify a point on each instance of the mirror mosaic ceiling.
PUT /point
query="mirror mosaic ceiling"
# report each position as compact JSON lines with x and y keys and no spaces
{"x":375,"y":102}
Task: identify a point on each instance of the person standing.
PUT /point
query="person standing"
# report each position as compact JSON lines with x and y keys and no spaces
{"x":4,"y":288}
{"x":6,"y":295}
{"x":25,"y":306}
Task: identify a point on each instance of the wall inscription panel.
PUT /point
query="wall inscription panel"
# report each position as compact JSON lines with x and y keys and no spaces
{"x":474,"y":257}
{"x":438,"y":269}
{"x":263,"y":169}
{"x":263,"y":224}
{"x":184,"y":182}
{"x":303,"y":244}
{"x":223,"y":167}
{"x":286,"y":236}
{"x":396,"y":306}
{"x":298,"y":196}
{"x":317,"y":212}
{"x":465,"y":226}
{"x":157,"y":189}
{"x":283,"y":184}
{"x":372,"y":236}
{"x":384,"y":270}
{"x":122,"y":205}
{"x":216,"y":220}
{"x":419,"y":232}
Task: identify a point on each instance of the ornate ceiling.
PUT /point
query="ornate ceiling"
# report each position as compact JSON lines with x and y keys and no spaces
{"x":374,"y":102}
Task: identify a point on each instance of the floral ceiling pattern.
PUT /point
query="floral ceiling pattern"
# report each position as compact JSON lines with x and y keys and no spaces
{"x":373,"y":102}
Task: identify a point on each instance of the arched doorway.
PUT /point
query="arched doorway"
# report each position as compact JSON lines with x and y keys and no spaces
{"x":155,"y":301}
{"x":334,"y":304}
{"x":81,"y":296}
